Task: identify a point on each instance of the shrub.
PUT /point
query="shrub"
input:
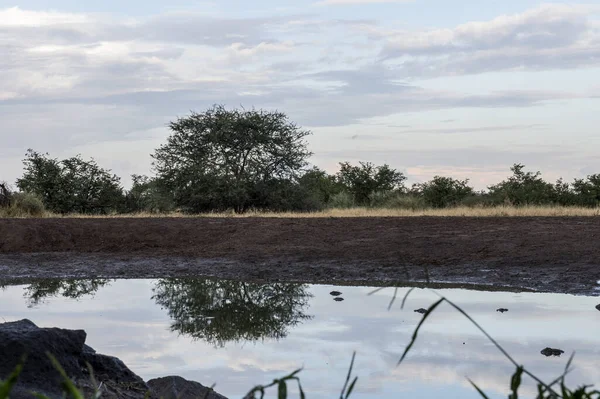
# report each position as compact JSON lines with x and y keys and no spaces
{"x":442,"y":192}
{"x":396,"y":200}
{"x":342,"y":200}
{"x":23,"y":205}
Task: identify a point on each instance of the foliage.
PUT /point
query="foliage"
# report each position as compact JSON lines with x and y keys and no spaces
{"x":71,"y":185}
{"x":39,"y":290}
{"x":19,"y":204}
{"x":342,"y":200}
{"x":523,"y":188}
{"x":442,"y":192}
{"x":220,"y":311}
{"x":5,"y":196}
{"x":363,"y":180}
{"x":28,"y":204}
{"x":147,"y":195}
{"x":220,"y":159}
{"x":319,"y":185}
{"x":588,"y":191}
{"x":396,"y":200}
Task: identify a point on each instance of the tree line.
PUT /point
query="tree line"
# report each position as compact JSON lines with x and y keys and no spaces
{"x":241,"y":160}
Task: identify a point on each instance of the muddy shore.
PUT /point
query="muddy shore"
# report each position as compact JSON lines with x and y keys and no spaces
{"x":553,"y":254}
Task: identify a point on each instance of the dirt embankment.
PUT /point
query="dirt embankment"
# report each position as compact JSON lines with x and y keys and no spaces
{"x":545,"y":254}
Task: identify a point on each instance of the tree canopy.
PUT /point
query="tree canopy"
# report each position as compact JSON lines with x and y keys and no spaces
{"x":223,"y":159}
{"x":220,"y":311}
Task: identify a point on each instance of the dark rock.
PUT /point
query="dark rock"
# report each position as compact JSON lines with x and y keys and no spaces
{"x":598,"y":306}
{"x":338,"y":299}
{"x":179,"y":388}
{"x":502,"y":310}
{"x":551,"y":352}
{"x":69,"y":348}
{"x":335,"y":293}
{"x":421,"y":310}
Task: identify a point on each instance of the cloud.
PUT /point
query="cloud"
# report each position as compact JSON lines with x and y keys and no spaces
{"x":354,"y":2}
{"x":547,"y":37}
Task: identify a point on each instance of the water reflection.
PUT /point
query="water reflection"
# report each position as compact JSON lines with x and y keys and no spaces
{"x":218,"y":311}
{"x":39,"y":291}
{"x":123,"y":320}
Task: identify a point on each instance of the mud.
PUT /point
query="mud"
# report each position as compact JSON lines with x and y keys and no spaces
{"x":554,"y":254}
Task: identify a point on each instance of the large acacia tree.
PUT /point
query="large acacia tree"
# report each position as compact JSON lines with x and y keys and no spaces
{"x":230,"y":159}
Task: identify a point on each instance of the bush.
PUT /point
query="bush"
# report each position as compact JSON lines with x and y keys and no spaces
{"x":442,"y":192}
{"x":396,"y":200}
{"x":342,"y":200}
{"x":480,"y":200}
{"x":24,"y":205}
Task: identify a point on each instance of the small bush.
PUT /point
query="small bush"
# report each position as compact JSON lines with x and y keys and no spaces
{"x":396,"y":200}
{"x":24,"y":205}
{"x":342,"y":200}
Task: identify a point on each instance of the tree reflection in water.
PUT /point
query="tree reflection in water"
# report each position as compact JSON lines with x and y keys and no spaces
{"x":39,"y":290}
{"x":232,"y":311}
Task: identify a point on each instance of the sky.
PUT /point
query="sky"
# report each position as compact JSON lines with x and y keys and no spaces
{"x":123,"y":320}
{"x":459,"y":88}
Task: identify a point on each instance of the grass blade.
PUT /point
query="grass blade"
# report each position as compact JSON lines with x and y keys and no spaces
{"x":483,"y":395}
{"x":67,"y":384}
{"x":393,"y":298}
{"x":406,"y":297}
{"x":348,"y":376}
{"x":496,"y":344}
{"x":351,"y":388}
{"x":282,"y":390}
{"x":376,"y":290}
{"x":7,"y":385}
{"x":416,"y":332}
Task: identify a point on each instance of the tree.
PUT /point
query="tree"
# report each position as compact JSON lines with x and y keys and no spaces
{"x":588,"y":190}
{"x":523,"y":188}
{"x":220,"y":311}
{"x":365,"y":179}
{"x":442,"y":192}
{"x":218,"y":159}
{"x":71,"y":185}
{"x":146,"y":194}
{"x":316,"y":183}
{"x":38,"y":291}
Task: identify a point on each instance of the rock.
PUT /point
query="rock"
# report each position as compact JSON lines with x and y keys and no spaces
{"x":338,"y":299}
{"x":421,"y":310}
{"x":69,"y":348}
{"x":598,"y":306}
{"x":502,"y":310}
{"x":335,"y":293}
{"x":551,"y":352}
{"x":179,"y":388}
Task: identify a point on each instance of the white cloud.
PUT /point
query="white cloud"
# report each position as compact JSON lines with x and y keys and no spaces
{"x":548,"y":37}
{"x":351,"y":2}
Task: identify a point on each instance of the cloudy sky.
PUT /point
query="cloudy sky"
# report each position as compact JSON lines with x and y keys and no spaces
{"x":463,"y":88}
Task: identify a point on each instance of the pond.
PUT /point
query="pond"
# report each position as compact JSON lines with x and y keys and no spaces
{"x":238,"y":335}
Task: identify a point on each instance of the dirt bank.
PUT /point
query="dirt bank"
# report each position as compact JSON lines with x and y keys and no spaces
{"x":545,"y":254}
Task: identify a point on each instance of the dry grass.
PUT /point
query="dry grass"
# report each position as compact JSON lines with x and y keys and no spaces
{"x":501,"y":211}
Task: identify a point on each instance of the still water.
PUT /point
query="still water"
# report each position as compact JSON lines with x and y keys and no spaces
{"x":239,"y":334}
